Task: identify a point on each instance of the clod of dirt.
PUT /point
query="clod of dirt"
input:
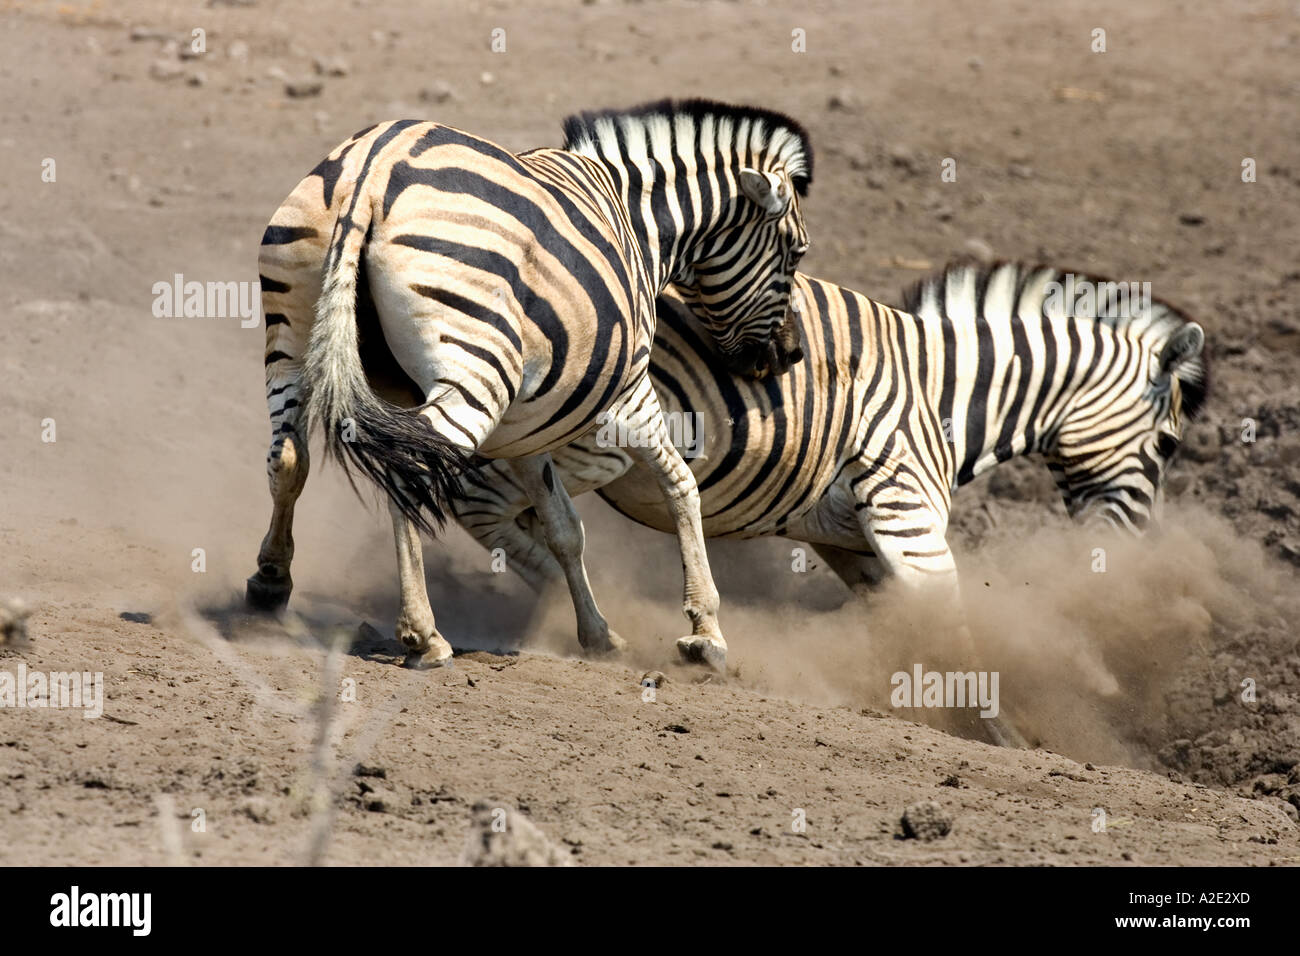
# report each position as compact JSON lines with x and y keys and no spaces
{"x":258,"y":810}
{"x":301,"y":89}
{"x":925,"y":821}
{"x":136,"y":617}
{"x":13,"y":622}
{"x":500,"y":837}
{"x":362,"y":770}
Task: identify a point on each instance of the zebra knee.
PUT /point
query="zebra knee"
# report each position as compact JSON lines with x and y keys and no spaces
{"x":566,"y":540}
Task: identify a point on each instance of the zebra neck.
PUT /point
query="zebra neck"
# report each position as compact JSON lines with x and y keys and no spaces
{"x":675,"y":207}
{"x":995,"y":398}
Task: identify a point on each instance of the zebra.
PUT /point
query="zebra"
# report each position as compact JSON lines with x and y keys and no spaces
{"x":434,"y":302}
{"x":858,"y":449}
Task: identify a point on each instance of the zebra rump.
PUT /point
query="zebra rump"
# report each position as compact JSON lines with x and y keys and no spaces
{"x":398,"y":449}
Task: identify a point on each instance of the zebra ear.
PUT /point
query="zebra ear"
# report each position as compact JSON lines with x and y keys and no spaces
{"x":766,"y":190}
{"x":1183,"y":348}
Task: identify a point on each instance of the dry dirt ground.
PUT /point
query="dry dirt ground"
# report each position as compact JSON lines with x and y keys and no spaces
{"x":215,"y":746}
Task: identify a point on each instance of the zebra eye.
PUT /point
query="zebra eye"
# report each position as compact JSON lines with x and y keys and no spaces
{"x":1166,"y":444}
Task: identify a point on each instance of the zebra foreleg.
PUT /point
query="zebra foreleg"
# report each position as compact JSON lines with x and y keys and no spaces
{"x":862,"y":573}
{"x":907,"y":535}
{"x":498,"y":514}
{"x":651,"y":447}
{"x":564,"y":536}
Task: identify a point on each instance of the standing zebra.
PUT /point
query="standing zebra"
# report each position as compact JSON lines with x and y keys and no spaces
{"x":858,"y":449}
{"x":477,"y":304}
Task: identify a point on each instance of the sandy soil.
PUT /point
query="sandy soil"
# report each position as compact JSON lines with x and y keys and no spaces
{"x":1130,"y":682}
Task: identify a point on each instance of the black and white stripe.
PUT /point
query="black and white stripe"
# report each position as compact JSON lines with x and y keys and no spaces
{"x":476,"y":303}
{"x":859,"y":448}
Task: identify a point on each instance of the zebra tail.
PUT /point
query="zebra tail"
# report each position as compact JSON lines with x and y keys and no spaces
{"x":398,"y":449}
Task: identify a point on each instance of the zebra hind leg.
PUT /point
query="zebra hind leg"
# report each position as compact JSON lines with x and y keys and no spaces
{"x":564,"y":536}
{"x":287,"y":466}
{"x":416,"y":629}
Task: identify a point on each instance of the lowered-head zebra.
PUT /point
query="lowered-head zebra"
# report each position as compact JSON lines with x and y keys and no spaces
{"x":857,"y":449}
{"x":434,"y":301}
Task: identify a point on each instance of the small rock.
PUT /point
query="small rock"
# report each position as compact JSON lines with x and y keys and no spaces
{"x":486,"y":78}
{"x":1191,"y":218}
{"x":1201,"y":445}
{"x":13,"y":622}
{"x":136,"y":617}
{"x":903,"y":158}
{"x":197,"y":79}
{"x":301,"y":89}
{"x":926,"y":821}
{"x":258,"y":810}
{"x":978,"y":248}
{"x":439,"y":92}
{"x":330,"y":66}
{"x":363,"y":770}
{"x":147,"y":33}
{"x":165,"y":70}
{"x":517,"y":843}
{"x":844,"y":101}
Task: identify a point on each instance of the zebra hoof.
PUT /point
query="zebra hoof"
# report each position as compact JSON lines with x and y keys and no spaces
{"x":436,"y":653}
{"x":703,"y":650}
{"x":427,"y":661}
{"x":611,"y":646}
{"x":269,"y":595}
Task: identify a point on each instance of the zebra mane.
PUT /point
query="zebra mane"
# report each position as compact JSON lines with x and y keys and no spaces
{"x":770,"y":134}
{"x":931,"y":296}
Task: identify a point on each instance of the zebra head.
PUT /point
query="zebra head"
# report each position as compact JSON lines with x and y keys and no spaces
{"x":739,"y":284}
{"x":1115,"y":444}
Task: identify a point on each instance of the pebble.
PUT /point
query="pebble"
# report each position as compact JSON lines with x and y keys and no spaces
{"x":165,"y":70}
{"x":331,"y":66}
{"x":439,"y":92}
{"x":844,"y":102}
{"x":301,"y":89}
{"x":926,"y":821}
